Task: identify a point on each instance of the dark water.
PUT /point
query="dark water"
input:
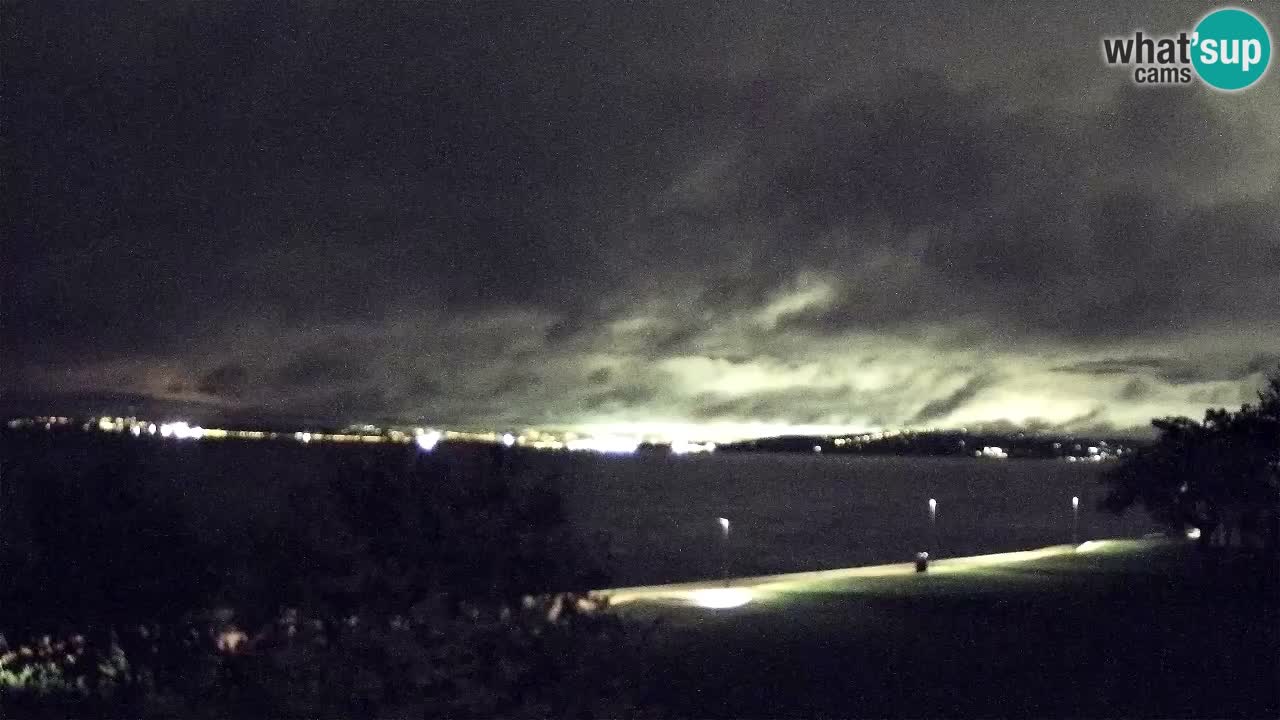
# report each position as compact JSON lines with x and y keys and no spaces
{"x":788,"y":512}
{"x":800,"y":512}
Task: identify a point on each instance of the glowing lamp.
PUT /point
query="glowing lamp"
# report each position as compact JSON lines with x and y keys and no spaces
{"x":721,"y":598}
{"x":427,"y":441}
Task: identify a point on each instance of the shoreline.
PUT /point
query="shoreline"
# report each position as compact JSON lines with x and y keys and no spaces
{"x":685,"y":591}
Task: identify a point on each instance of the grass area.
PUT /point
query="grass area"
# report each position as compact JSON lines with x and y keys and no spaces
{"x":1135,"y":628}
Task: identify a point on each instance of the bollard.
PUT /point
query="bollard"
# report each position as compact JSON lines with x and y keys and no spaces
{"x":922,"y":561}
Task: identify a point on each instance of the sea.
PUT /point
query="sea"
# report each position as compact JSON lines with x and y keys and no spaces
{"x":654,"y":518}
{"x":663,"y":517}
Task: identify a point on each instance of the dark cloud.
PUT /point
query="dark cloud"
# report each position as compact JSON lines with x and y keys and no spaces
{"x":943,"y":407}
{"x":423,"y":388}
{"x":517,"y":382}
{"x":93,"y":402}
{"x":1219,"y":396}
{"x":323,"y":161}
{"x":800,"y":405}
{"x":322,"y":365}
{"x":229,"y":380}
{"x":1135,"y":389}
{"x":1088,"y":425}
{"x":674,"y":341}
{"x":1267,"y":363}
{"x":916,"y":157}
{"x":1175,"y":371}
{"x":621,"y":397}
{"x":364,"y":402}
{"x":1117,"y":366}
{"x":538,"y":213}
{"x":924,"y":197}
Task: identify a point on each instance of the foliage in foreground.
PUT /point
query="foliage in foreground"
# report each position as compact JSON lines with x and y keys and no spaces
{"x":395,"y":586}
{"x":1220,"y":476}
{"x":554,"y":656}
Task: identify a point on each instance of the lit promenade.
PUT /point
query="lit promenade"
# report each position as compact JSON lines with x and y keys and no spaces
{"x":1109,"y":628}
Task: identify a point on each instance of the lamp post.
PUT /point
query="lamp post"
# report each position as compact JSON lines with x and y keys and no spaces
{"x":933,"y":525}
{"x":724,"y":549}
{"x":1075,"y":518}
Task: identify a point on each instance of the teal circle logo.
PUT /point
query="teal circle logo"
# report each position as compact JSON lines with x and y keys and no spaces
{"x":1231,"y":49}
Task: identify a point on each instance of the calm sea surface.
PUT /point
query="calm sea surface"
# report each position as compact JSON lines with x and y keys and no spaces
{"x":659,"y":513}
{"x":801,"y":512}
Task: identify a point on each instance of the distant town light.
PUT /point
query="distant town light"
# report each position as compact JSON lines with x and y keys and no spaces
{"x":181,"y":431}
{"x":427,"y":441}
{"x":606,"y":444}
{"x":1193,"y":534}
{"x":684,"y":447}
{"x":508,"y":439}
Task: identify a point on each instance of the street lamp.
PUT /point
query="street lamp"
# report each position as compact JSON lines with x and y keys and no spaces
{"x":724,"y":549}
{"x":933,"y":524}
{"x":1075,"y":518}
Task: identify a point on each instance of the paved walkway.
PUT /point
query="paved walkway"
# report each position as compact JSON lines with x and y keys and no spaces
{"x":714,"y":591}
{"x":1131,"y":628}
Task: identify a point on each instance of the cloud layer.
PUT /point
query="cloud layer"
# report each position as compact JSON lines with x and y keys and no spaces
{"x":715,"y":220}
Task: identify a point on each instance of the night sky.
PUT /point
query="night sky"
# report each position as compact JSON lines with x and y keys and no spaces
{"x":705,"y":218}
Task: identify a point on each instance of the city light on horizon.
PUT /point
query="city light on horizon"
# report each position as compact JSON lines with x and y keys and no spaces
{"x":427,"y":441}
{"x":558,"y":440}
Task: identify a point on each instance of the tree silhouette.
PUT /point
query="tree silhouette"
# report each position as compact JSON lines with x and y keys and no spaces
{"x":1220,"y":475}
{"x":389,"y":584}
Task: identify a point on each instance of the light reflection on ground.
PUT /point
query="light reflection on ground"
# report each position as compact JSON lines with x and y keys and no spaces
{"x":741,"y":591}
{"x":719,"y":598}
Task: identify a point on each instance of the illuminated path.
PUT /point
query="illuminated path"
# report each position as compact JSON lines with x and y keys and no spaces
{"x":739,"y":591}
{"x":1110,"y":628}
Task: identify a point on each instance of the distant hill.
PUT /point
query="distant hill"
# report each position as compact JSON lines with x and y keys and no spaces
{"x":944,"y":444}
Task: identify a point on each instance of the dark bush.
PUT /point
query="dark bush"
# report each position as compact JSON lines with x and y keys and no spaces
{"x":387,"y":582}
{"x":92,"y":545}
{"x":1220,"y":476}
